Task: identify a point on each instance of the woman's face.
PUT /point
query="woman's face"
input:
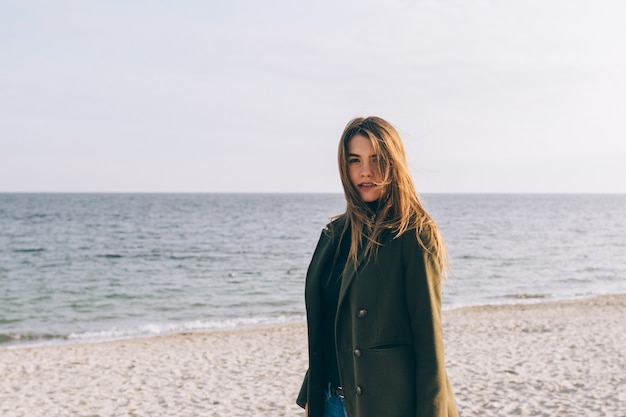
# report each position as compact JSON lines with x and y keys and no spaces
{"x":363,"y":169}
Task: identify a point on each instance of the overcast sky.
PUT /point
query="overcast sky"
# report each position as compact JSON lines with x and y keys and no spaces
{"x":252,"y":96}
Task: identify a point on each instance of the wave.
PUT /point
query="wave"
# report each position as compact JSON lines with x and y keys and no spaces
{"x":527,"y":296}
{"x":30,"y":338}
{"x":145,"y":330}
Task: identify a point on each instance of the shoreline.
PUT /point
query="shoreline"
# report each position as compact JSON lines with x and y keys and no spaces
{"x":547,"y":358}
{"x":42,"y":343}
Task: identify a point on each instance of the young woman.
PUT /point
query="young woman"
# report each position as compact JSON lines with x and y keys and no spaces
{"x":373,"y":292}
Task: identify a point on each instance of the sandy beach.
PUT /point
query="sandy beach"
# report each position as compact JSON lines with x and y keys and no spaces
{"x":549,"y":359}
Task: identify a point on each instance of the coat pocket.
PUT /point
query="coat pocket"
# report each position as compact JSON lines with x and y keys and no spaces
{"x":387,"y":346}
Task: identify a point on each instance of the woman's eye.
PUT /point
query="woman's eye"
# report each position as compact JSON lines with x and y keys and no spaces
{"x":353,"y":161}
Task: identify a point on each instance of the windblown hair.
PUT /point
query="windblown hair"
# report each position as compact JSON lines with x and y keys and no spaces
{"x":400,"y":209}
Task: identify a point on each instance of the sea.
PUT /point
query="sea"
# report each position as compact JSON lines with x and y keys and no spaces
{"x":78,"y":268}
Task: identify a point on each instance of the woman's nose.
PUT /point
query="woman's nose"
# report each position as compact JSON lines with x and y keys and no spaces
{"x":366,"y":170}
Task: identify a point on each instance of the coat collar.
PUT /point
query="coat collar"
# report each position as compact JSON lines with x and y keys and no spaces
{"x":327,"y":252}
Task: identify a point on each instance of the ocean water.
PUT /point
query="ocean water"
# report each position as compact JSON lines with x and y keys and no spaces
{"x":87,"y":267}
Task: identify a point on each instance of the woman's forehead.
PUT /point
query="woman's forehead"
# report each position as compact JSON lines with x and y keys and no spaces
{"x":360,"y":145}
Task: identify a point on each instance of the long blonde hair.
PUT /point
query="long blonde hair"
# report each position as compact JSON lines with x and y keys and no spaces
{"x":400,"y":208}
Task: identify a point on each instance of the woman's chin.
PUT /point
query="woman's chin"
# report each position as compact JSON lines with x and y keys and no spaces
{"x":369,"y":196}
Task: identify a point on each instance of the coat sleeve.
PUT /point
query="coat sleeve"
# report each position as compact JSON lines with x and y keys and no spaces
{"x":423,"y":296}
{"x":303,"y":395}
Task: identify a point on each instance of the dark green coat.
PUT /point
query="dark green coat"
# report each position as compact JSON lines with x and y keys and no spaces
{"x":388,"y":333}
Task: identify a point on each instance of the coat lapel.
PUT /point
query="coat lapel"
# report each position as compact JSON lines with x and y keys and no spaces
{"x":348,"y":276}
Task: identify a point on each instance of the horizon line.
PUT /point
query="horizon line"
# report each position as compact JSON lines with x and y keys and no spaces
{"x":323,"y":192}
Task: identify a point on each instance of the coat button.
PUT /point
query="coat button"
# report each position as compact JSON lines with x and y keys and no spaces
{"x":357,"y":353}
{"x":362,"y":313}
{"x":358,"y":390}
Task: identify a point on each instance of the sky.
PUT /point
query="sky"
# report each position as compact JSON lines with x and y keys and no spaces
{"x":489,"y":96}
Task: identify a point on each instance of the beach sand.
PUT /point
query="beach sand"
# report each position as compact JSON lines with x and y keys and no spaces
{"x":549,"y":359}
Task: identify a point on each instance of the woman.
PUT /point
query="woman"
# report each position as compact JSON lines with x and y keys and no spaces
{"x":373,"y":291}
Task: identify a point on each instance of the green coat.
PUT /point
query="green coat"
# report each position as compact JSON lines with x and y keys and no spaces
{"x":388,"y":332}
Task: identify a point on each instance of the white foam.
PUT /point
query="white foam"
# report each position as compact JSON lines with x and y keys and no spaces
{"x":157,"y":329}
